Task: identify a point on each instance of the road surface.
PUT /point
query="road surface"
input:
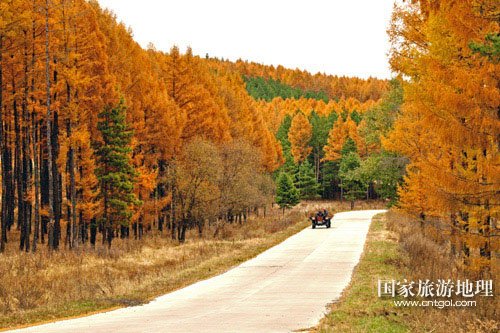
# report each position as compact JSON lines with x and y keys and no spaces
{"x":284,"y":289}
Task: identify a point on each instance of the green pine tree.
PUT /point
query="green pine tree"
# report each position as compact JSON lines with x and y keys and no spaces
{"x":306,"y":181}
{"x":353,"y":187}
{"x":356,"y":117}
{"x":115,"y":171}
{"x":287,"y":194}
{"x":348,"y":147}
{"x":354,"y":183}
{"x":321,"y":126}
{"x":380,"y":118}
{"x":329,"y":179}
{"x":268,"y":89}
{"x":385,"y":171}
{"x":490,"y":48}
{"x":282,"y":135}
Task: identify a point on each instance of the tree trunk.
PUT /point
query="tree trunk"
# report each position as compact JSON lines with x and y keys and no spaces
{"x":72,"y":190}
{"x":17,"y":164}
{"x":141,"y":229}
{"x":93,"y":232}
{"x":26,"y":156}
{"x":57,"y":181}
{"x":35,"y":139}
{"x":109,"y":235}
{"x":37,"y":182}
{"x":48,"y":121}
{"x":3,"y":224}
{"x":316,"y":165}
{"x":106,"y":214}
{"x":71,"y":195}
{"x":341,"y":191}
{"x":182,"y":231}
{"x":161,"y":221}
{"x":173,"y":223}
{"x":200,"y":228}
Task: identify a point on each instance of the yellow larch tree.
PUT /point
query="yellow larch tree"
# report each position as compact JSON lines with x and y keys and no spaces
{"x":338,"y":135}
{"x":449,"y":126}
{"x":299,"y":136}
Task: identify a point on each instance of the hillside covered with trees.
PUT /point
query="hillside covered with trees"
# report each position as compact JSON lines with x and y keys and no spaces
{"x":110,"y":151}
{"x":332,"y":149}
{"x":103,"y":139}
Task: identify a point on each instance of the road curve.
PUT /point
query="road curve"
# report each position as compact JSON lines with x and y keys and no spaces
{"x":283,"y":289}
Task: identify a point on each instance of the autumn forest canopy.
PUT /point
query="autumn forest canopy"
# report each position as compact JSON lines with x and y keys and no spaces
{"x":101,"y":138}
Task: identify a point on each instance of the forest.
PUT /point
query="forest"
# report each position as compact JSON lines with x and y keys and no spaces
{"x":101,"y":138}
{"x":449,"y":125}
{"x":128,"y":172}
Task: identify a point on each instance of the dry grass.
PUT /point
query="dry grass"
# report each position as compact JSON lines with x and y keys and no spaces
{"x":359,"y":308}
{"x":426,"y":259}
{"x":45,"y":286}
{"x":396,"y":249}
{"x":341,"y":206}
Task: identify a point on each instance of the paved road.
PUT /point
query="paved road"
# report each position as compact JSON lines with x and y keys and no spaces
{"x":283,"y":289}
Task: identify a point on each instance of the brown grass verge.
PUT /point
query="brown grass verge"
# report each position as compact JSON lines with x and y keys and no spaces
{"x":397,"y":249}
{"x":426,"y":259}
{"x":359,"y":308}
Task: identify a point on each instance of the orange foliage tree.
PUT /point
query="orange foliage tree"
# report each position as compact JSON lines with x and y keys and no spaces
{"x":341,"y":131}
{"x":450,"y":125}
{"x":299,"y":136}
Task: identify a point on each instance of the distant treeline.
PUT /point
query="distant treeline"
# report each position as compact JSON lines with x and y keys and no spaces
{"x":267,"y":89}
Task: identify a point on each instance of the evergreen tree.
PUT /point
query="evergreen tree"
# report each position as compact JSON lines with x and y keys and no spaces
{"x":356,"y":117}
{"x":379,"y":120}
{"x":490,"y":49}
{"x":116,"y":173}
{"x":282,"y":135}
{"x":384,"y":171}
{"x":306,"y":182}
{"x":287,"y":194}
{"x":268,"y":89}
{"x":321,"y":126}
{"x":349,"y":147}
{"x":329,"y":182}
{"x":353,"y":183}
{"x":344,"y":114}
